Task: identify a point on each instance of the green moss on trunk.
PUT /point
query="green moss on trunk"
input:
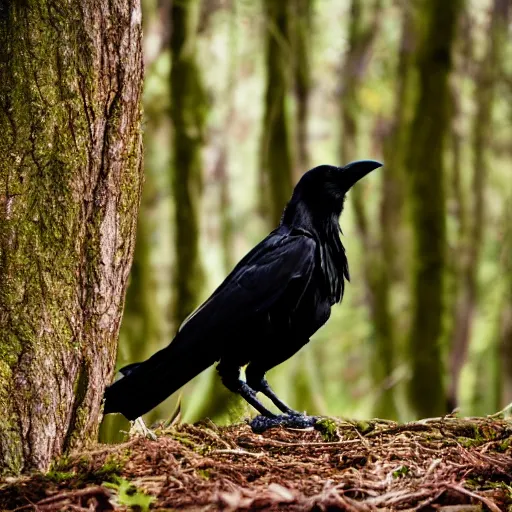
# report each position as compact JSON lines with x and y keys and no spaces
{"x":70,"y":179}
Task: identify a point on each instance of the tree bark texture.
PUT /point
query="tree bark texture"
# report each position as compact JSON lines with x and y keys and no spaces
{"x":188,"y":114}
{"x":277,"y":160}
{"x":426,"y":173}
{"x":70,"y":183}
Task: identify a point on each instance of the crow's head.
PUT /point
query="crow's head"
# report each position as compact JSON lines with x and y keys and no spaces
{"x":323,"y":188}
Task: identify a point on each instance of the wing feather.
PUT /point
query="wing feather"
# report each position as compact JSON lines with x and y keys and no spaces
{"x":255,"y":284}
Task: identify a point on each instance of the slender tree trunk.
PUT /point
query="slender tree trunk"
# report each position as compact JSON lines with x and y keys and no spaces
{"x":276,"y":153}
{"x":426,"y":173}
{"x":485,"y":88}
{"x":360,"y":42}
{"x":392,"y":207}
{"x":222,"y":167}
{"x":188,"y":113}
{"x":390,"y":276}
{"x":301,"y":41}
{"x":505,"y":342}
{"x":457,"y":195}
{"x":70,"y":183}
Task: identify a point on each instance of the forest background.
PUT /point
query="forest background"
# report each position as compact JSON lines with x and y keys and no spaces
{"x":242,"y":97}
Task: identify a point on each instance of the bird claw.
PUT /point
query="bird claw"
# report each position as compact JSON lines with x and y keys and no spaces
{"x":261,"y":423}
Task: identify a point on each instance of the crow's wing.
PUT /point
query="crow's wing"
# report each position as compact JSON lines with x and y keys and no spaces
{"x":255,"y":284}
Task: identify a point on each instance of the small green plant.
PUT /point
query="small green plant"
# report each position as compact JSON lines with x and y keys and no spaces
{"x":328,"y":430}
{"x":59,"y":476}
{"x":61,"y":464}
{"x":129,"y":496}
{"x":364,"y":427}
{"x":401,"y":472}
{"x":204,"y":474}
{"x":112,"y":467}
{"x":504,"y":445}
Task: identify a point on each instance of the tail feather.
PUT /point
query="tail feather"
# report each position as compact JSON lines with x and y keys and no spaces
{"x":146,"y":384}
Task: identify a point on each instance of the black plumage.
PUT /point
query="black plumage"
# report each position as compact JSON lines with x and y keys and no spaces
{"x":267,"y":308}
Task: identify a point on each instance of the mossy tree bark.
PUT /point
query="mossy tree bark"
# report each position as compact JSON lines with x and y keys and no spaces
{"x":276,"y":152}
{"x":486,"y":81}
{"x":188,"y":114}
{"x":70,"y":183}
{"x":426,"y":173}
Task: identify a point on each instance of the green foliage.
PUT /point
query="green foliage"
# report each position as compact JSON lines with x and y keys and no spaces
{"x":328,"y":429}
{"x":364,"y":426}
{"x":204,"y":474}
{"x":129,"y":496}
{"x":67,"y":468}
{"x":59,"y":476}
{"x":401,"y":472}
{"x":111,"y":467}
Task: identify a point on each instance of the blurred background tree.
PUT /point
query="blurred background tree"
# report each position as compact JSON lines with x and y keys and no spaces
{"x":242,"y":97}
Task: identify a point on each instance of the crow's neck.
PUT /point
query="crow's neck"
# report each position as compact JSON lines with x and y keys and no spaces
{"x":325,"y":228}
{"x":323,"y":225}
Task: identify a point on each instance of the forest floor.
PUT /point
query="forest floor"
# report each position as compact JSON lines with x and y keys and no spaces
{"x":446,"y":464}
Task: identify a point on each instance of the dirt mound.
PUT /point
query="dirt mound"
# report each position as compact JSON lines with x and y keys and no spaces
{"x":436,"y":464}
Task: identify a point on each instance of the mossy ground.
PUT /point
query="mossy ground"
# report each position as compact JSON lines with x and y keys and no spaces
{"x":435,"y":464}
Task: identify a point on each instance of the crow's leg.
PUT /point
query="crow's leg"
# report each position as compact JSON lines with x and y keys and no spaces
{"x":256,"y":379}
{"x":230,"y":376}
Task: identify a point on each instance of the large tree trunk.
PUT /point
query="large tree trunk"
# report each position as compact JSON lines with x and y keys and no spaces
{"x":70,"y":183}
{"x":188,"y":113}
{"x":276,"y":153}
{"x":426,"y":172}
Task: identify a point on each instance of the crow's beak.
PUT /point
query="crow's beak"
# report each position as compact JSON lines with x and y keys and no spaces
{"x":354,"y":171}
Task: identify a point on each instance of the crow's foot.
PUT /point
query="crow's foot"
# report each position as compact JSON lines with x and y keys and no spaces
{"x":261,"y":423}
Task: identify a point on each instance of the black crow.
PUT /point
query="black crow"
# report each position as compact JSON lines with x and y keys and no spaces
{"x":267,"y":308}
